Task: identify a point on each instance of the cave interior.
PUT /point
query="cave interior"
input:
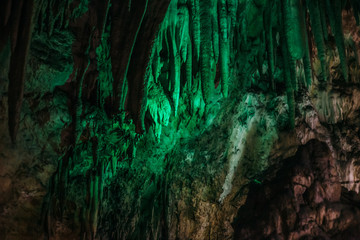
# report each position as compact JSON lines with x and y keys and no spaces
{"x":179,"y":119}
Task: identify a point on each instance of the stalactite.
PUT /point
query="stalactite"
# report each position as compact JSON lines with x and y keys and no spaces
{"x":179,"y":35}
{"x":195,"y":34}
{"x":157,"y":62}
{"x":289,"y":89}
{"x":215,"y":34}
{"x":54,"y":14}
{"x":21,"y":37}
{"x":122,"y":103}
{"x":306,"y":59}
{"x":243,"y":24}
{"x":121,"y":21}
{"x":286,"y":65}
{"x":324,"y":26}
{"x":175,"y":63}
{"x":41,"y":17}
{"x":307,"y":67}
{"x":195,"y":26}
{"x":294,"y":33}
{"x":113,"y":164}
{"x":137,"y":91}
{"x":207,"y":83}
{"x":233,"y":24}
{"x":214,"y":43}
{"x":334,"y":10}
{"x":105,"y":77}
{"x":232,"y":6}
{"x":293,"y":23}
{"x":183,"y":25}
{"x":268,"y":20}
{"x":188,"y":66}
{"x":50,"y":20}
{"x":167,"y":59}
{"x":224,"y":48}
{"x":318,"y":36}
{"x":260,"y":56}
{"x":16,"y":23}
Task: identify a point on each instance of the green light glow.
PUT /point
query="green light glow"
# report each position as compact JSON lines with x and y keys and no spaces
{"x":207,"y":54}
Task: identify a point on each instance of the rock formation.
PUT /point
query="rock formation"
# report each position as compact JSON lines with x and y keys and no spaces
{"x":179,"y":119}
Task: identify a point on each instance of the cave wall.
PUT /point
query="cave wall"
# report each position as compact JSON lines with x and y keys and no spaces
{"x":147,"y":119}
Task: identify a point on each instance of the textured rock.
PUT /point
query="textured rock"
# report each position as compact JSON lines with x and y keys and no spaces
{"x":289,"y":216}
{"x":182,"y":119}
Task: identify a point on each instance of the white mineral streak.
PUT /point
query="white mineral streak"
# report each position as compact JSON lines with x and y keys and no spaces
{"x":236,"y":151}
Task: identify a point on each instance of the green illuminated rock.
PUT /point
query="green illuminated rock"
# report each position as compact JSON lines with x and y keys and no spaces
{"x":153,"y":119}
